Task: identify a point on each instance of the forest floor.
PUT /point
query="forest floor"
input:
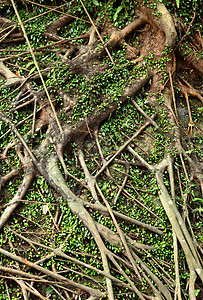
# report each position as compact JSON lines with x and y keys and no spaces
{"x":101,"y":150}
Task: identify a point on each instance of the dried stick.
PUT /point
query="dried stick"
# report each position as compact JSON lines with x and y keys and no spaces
{"x":122,"y":237}
{"x":189,"y":112}
{"x":140,"y":203}
{"x":103,"y":210}
{"x":24,"y":289}
{"x":22,"y":105}
{"x":140,"y":295}
{"x":22,"y":121}
{"x":177,"y":284}
{"x":89,"y":178}
{"x":123,"y":185}
{"x":107,"y":51}
{"x":37,"y":66}
{"x":49,"y":9}
{"x":148,"y":280}
{"x":6,"y":22}
{"x":179,"y":227}
{"x":139,"y":158}
{"x":62,"y":41}
{"x":18,"y":196}
{"x":61,"y":297}
{"x":169,"y":279}
{"x":173,"y":94}
{"x":184,"y":168}
{"x":34,"y":116}
{"x":17,"y":101}
{"x":91,"y":184}
{"x":175,"y":218}
{"x":8,"y":121}
{"x":100,"y":151}
{"x":24,"y":81}
{"x":121,"y":149}
{"x":82,"y":274}
{"x":161,"y":286}
{"x":56,"y":10}
{"x":19,"y":273}
{"x":185,"y":33}
{"x":97,"y":294}
{"x":183,"y":89}
{"x":19,"y":281}
{"x":47,"y":257}
{"x":135,"y":143}
{"x":59,"y":253}
{"x":32,"y":290}
{"x":115,"y":240}
{"x":7,"y":290}
{"x":59,"y":153}
{"x":175,"y":242}
{"x":144,"y":114}
{"x":13,"y":27}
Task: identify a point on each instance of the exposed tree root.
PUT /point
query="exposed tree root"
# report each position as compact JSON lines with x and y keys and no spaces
{"x":19,"y":195}
{"x":94,"y":293}
{"x":45,"y":148}
{"x":11,"y":78}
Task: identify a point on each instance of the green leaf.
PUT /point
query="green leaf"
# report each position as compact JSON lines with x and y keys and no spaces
{"x":178,"y":3}
{"x":49,"y":290}
{"x":198,"y":199}
{"x":95,"y":2}
{"x":29,"y":64}
{"x":32,"y":70}
{"x":197,"y":292}
{"x":117,"y":12}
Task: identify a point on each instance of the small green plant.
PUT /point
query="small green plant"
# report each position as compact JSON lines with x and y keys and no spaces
{"x":178,"y":3}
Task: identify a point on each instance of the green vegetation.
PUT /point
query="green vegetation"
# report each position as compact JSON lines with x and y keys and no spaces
{"x":90,"y":92}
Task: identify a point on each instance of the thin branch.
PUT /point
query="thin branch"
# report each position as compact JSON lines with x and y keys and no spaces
{"x":59,"y":253}
{"x":56,"y":10}
{"x":122,"y":237}
{"x":37,"y":66}
{"x":122,"y":148}
{"x":34,"y":116}
{"x":144,"y":114}
{"x":103,"y":210}
{"x":7,"y":290}
{"x":126,"y":277}
{"x":54,"y":275}
{"x":107,"y":50}
{"x":89,"y":178}
{"x":173,"y":94}
{"x":123,"y":185}
{"x":18,"y":196}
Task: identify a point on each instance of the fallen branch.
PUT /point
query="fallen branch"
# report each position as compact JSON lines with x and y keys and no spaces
{"x":122,"y":148}
{"x":103,"y":210}
{"x":37,"y":66}
{"x":60,"y":253}
{"x":93,"y":292}
{"x":29,"y":174}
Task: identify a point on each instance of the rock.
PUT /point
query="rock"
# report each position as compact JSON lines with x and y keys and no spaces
{"x":183,"y":115}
